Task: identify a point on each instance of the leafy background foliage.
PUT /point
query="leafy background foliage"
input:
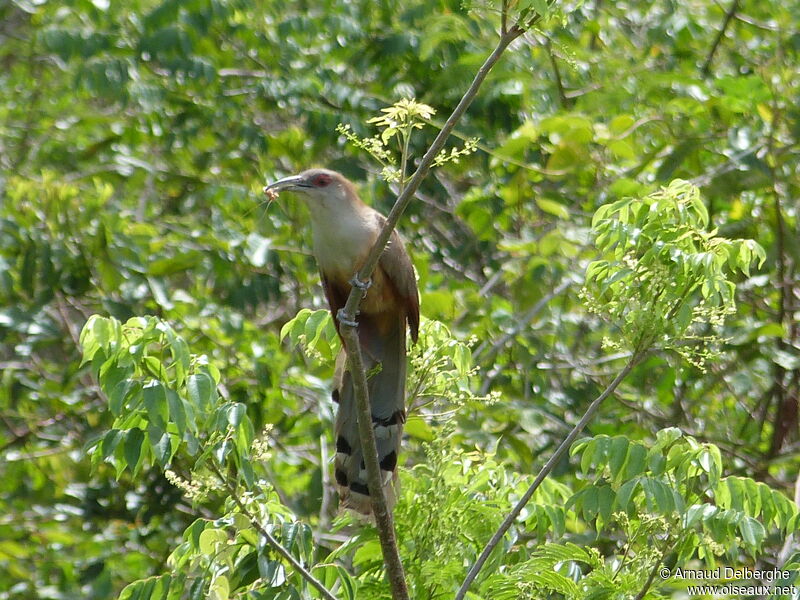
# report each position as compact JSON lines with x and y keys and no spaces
{"x":134,"y":140}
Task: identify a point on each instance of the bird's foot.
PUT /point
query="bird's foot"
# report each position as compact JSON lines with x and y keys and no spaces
{"x":362,"y":285}
{"x":343,"y":318}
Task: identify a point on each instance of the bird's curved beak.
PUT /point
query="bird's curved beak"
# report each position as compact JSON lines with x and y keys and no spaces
{"x":293,"y":183}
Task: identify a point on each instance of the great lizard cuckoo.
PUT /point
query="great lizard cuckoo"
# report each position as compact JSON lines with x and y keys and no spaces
{"x":344,"y":230}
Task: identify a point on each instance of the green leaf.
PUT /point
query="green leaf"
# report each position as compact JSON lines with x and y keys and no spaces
{"x":419,"y":429}
{"x":201,"y":389}
{"x":565,"y":158}
{"x":175,"y":264}
{"x":621,"y":124}
{"x":294,"y":328}
{"x":210,"y":539}
{"x":605,"y":503}
{"x":235,"y":413}
{"x":659,"y":496}
{"x":588,"y":457}
{"x":753,"y":533}
{"x":177,"y":413}
{"x":316,"y":324}
{"x":552,"y":207}
{"x":133,"y":449}
{"x":161,"y":444}
{"x":636,"y":461}
{"x":244,"y":436}
{"x":110,"y":442}
{"x":366,"y":554}
{"x":155,"y":403}
{"x":462,"y":359}
{"x":119,"y":393}
{"x":618,"y":454}
{"x":589,"y":503}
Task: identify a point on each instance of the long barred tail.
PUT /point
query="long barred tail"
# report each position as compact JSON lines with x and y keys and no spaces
{"x":384,"y":352}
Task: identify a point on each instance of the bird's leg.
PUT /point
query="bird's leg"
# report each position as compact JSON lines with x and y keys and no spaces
{"x":362,"y":285}
{"x":342,"y":318}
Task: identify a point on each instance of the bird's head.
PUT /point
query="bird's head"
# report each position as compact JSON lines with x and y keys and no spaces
{"x":320,"y":187}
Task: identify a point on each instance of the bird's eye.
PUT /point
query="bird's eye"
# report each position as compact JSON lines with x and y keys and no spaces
{"x":321,"y":180}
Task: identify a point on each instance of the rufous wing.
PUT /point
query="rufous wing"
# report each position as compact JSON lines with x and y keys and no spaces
{"x":397,"y":267}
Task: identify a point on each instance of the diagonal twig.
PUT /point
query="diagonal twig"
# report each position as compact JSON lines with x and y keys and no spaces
{"x":271,"y":540}
{"x":383,"y":517}
{"x":706,"y":69}
{"x":546,"y":469}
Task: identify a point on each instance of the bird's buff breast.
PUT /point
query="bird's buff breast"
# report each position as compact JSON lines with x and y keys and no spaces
{"x":341,"y":251}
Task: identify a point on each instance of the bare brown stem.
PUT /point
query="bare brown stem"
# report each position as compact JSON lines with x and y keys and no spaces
{"x":383,"y":517}
{"x":562,"y":96}
{"x":706,"y":70}
{"x":651,"y":577}
{"x":276,"y":545}
{"x":380,"y":508}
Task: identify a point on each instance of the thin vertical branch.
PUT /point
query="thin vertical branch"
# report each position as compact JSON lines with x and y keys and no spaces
{"x":546,"y":469}
{"x":598,"y":6}
{"x":562,"y":95}
{"x":327,"y":491}
{"x":380,"y":507}
{"x":786,"y":402}
{"x":779,"y":392}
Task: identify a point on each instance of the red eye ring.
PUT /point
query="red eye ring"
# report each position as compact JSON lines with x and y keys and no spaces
{"x":322,"y":180}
